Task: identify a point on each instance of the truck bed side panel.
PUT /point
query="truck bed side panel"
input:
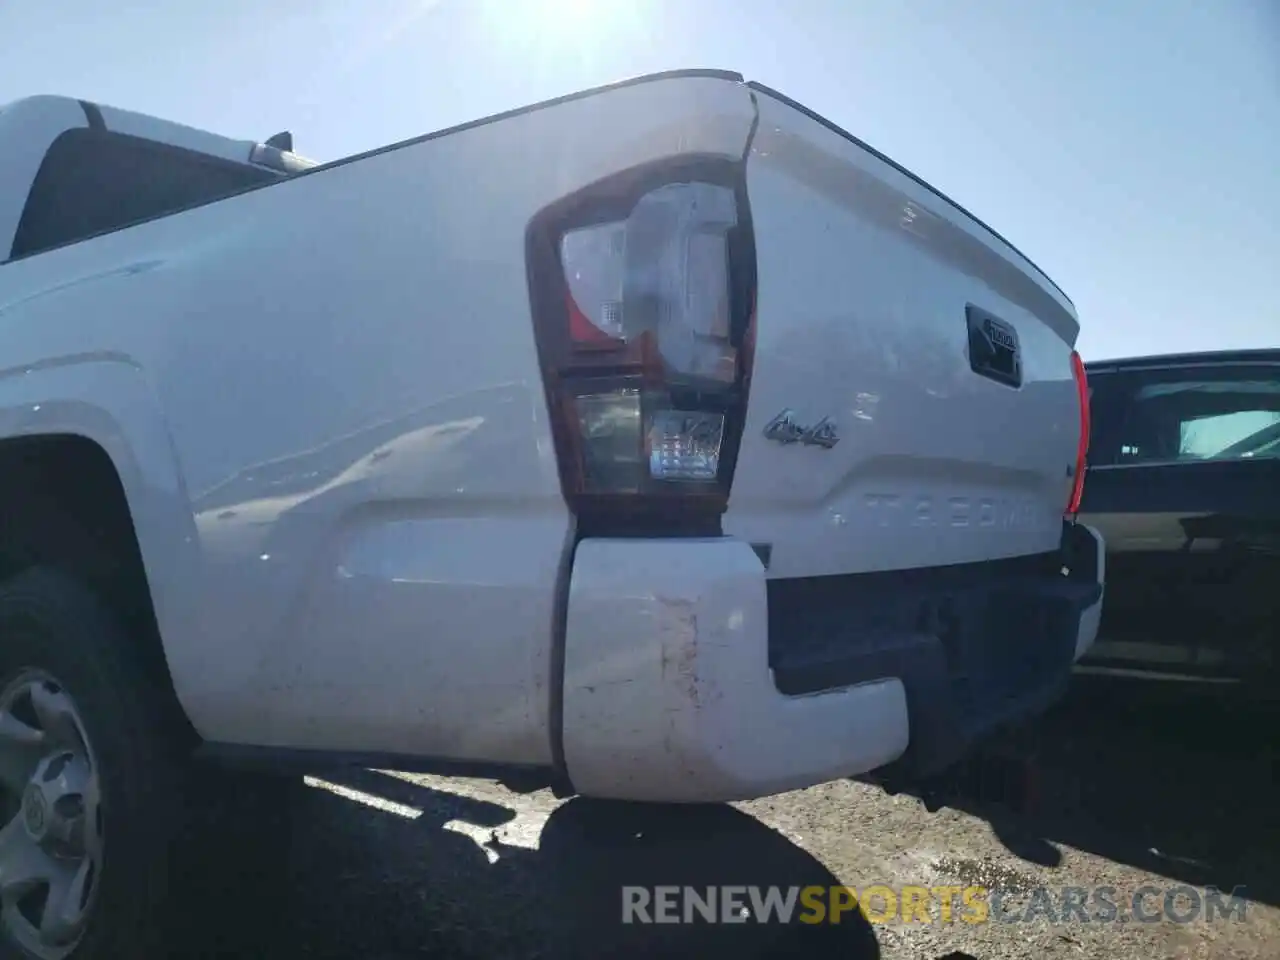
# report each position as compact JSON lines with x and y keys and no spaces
{"x":346,"y":363}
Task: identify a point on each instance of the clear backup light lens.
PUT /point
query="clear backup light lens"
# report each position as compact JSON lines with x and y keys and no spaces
{"x":612,"y":454}
{"x":618,"y":455}
{"x":685,"y":445}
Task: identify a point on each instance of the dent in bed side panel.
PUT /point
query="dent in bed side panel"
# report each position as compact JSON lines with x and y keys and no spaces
{"x":346,"y":360}
{"x":106,"y":399}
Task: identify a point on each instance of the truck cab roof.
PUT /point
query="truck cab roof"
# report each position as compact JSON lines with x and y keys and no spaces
{"x":1241,"y":356}
{"x":70,"y":168}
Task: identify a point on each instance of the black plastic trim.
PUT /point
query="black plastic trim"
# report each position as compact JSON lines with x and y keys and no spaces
{"x":944,"y":726}
{"x":56,"y":164}
{"x":976,"y":646}
{"x":840,"y":131}
{"x":93,"y":115}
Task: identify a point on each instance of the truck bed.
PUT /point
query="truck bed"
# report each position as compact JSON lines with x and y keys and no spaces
{"x":327,"y":395}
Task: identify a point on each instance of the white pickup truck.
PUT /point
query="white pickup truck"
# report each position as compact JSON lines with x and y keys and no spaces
{"x":663,"y":438}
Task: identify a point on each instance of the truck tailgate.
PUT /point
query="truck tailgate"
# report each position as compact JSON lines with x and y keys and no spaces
{"x":889,"y":423}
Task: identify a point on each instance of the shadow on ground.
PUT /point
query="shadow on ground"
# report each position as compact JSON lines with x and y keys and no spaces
{"x":1183,"y":785}
{"x":376,"y":884}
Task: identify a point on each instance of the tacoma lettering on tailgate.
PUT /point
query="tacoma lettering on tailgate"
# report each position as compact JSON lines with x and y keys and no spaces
{"x":1006,"y":513}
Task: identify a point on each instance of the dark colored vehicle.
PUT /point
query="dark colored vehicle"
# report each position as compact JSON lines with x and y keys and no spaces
{"x":1184,"y":484}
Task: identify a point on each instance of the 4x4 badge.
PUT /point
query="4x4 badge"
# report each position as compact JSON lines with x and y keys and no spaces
{"x":784,"y":429}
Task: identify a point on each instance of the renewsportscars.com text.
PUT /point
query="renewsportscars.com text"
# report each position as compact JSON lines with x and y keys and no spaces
{"x":917,"y":904}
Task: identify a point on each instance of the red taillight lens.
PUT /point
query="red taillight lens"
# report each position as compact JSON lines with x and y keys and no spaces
{"x":641,"y":311}
{"x":1082,"y":448}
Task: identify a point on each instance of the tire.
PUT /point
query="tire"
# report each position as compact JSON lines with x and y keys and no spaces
{"x":50,"y":624}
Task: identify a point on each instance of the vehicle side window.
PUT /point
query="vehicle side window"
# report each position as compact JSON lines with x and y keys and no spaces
{"x":1197,"y":414}
{"x":95,"y":181}
{"x":1106,"y":409}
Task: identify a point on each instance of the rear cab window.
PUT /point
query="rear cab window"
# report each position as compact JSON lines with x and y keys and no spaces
{"x":93,"y":181}
{"x":1186,"y":414}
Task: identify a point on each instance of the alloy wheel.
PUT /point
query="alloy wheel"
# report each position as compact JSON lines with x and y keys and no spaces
{"x":51,"y":836}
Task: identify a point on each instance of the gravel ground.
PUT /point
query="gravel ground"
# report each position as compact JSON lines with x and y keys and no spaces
{"x":1133,"y":789}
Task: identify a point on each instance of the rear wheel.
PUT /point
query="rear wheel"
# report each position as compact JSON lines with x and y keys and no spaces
{"x":88,"y":772}
{"x":51,"y":843}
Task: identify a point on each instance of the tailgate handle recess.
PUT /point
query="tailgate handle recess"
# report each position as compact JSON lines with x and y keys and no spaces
{"x":993,"y":347}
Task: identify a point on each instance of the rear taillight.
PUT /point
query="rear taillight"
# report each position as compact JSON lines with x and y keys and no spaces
{"x":1082,"y":447}
{"x":641,"y":289}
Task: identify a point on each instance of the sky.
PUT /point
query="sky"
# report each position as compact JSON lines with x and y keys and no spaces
{"x":1131,"y":148}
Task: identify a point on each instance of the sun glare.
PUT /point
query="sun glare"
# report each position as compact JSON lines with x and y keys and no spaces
{"x":582,"y":27}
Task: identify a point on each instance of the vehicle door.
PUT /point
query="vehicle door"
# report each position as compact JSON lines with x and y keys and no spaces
{"x":1184,"y":482}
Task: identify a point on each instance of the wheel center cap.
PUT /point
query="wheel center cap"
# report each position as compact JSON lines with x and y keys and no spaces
{"x":35,"y":811}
